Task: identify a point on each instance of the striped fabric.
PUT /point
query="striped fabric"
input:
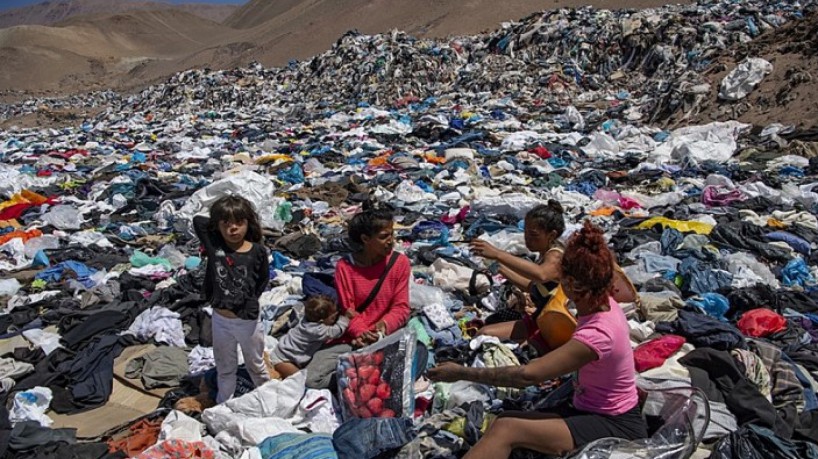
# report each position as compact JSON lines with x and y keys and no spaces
{"x":298,"y":446}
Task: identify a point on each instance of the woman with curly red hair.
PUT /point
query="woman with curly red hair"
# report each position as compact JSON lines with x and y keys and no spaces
{"x":605,"y":402}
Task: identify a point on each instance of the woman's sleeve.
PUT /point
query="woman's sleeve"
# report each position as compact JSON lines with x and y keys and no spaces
{"x":398,"y":313}
{"x":346,"y":299}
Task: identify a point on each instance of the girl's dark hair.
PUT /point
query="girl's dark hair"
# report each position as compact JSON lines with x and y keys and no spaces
{"x":588,"y":260}
{"x":548,"y":217}
{"x":374,"y":218}
{"x":236,"y":208}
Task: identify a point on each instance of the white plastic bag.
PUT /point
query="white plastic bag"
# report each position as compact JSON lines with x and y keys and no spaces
{"x":420,"y":295}
{"x":9,"y":287}
{"x":451,"y":276}
{"x":516,"y":204}
{"x":44,"y":242}
{"x":31,"y":405}
{"x":63,"y":217}
{"x":743,"y":79}
{"x":509,"y":241}
{"x":256,"y":188}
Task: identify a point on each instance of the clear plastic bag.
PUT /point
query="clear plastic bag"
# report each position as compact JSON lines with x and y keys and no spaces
{"x":377,"y":381}
{"x":683,"y":415}
{"x":63,"y":217}
{"x":421,"y":295}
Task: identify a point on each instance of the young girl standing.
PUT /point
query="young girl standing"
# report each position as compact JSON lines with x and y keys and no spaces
{"x":236,"y":275}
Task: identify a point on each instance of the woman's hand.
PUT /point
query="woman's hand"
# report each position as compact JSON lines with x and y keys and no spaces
{"x":446,"y":372}
{"x":380,"y":327}
{"x":485,"y":250}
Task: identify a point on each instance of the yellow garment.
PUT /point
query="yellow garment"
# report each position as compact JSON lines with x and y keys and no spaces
{"x":24,"y":197}
{"x":555,"y":322}
{"x":683,"y":226}
{"x":665,"y":183}
{"x":773,"y":223}
{"x":458,"y":426}
{"x":266,"y":159}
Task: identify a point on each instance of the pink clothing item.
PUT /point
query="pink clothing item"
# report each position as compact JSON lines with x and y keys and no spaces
{"x":606,"y":385}
{"x":718,"y":196}
{"x":653,"y":353}
{"x":354,"y":284}
{"x":629,"y":203}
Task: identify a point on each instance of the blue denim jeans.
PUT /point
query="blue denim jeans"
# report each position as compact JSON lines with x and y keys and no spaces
{"x":367,"y":438}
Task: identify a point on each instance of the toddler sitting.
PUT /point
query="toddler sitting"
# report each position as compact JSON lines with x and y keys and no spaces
{"x":321,"y":322}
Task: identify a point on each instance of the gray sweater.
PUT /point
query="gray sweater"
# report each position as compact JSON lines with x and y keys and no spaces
{"x":302,"y":342}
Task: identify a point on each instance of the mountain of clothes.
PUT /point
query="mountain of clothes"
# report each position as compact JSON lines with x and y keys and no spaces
{"x":714,"y":224}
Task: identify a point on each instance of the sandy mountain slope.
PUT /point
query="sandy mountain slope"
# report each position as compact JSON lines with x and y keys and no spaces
{"x":89,"y":52}
{"x":788,"y":95}
{"x":292,"y":29}
{"x":54,"y":11}
{"x":128,"y":50}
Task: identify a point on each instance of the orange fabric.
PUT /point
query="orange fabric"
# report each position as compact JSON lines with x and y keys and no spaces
{"x":144,"y":434}
{"x":603,"y":212}
{"x":555,"y":322}
{"x":434,"y":159}
{"x":24,"y":235}
{"x":773,"y":223}
{"x":381,"y":160}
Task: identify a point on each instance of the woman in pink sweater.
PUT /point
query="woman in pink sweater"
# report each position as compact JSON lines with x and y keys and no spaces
{"x":356,"y":277}
{"x":605,"y":401}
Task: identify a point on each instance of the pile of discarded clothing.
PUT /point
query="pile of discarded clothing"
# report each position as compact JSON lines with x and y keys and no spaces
{"x":105,"y":328}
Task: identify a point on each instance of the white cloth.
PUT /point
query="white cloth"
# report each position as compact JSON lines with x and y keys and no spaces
{"x":159,"y":323}
{"x":90,"y":237}
{"x":640,"y":331}
{"x":440,"y":317}
{"x":201,"y":359}
{"x":47,"y":341}
{"x":250,"y":419}
{"x":716,"y":141}
{"x":179,"y":426}
{"x":10,"y":368}
{"x":316,"y":412}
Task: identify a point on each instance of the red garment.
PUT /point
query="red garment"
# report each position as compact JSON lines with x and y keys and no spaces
{"x":761,"y":322}
{"x":541,"y":151}
{"x":354,"y":284}
{"x":14,"y":212}
{"x":459,"y":218}
{"x":653,"y":353}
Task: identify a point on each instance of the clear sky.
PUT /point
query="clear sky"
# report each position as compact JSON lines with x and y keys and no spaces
{"x":7,"y":4}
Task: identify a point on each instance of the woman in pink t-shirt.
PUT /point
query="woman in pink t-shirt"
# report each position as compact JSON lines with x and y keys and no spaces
{"x":605,"y":400}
